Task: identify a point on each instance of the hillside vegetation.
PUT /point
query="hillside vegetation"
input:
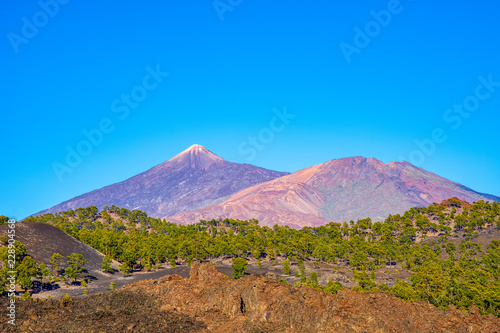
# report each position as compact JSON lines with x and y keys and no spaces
{"x":443,"y":246}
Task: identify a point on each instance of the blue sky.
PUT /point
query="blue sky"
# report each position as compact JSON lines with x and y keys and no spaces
{"x":67,"y":69}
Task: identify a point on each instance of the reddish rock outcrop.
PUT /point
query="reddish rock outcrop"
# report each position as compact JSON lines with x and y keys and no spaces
{"x":211,"y":302}
{"x":259,"y":304}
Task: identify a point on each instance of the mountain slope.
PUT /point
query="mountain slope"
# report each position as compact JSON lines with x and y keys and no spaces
{"x":194,"y":179}
{"x":38,"y":238}
{"x":338,"y":190}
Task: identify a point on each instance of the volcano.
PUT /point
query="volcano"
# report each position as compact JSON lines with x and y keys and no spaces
{"x":195,"y":178}
{"x":338,"y":190}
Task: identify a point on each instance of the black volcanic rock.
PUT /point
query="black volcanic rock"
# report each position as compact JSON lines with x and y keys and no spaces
{"x":194,"y":179}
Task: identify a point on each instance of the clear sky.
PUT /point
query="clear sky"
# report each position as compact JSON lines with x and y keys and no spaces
{"x":383,"y":79}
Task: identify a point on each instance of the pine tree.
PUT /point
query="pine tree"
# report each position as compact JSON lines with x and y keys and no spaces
{"x":313,"y":279}
{"x":125,"y":269}
{"x":55,"y":262}
{"x":302,"y":274}
{"x":239,"y":266}
{"x":27,"y":270}
{"x":106,"y":264}
{"x":75,"y":268}
{"x":286,"y":267}
{"x":333,"y":287}
{"x":43,"y":273}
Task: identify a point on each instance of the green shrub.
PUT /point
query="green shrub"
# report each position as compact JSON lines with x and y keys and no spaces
{"x":239,"y":266}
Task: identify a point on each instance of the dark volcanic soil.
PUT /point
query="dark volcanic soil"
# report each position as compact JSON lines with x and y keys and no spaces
{"x":119,"y":311}
{"x":42,"y":240}
{"x":103,"y":283}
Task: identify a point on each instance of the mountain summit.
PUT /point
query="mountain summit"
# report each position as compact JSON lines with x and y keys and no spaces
{"x":194,"y":179}
{"x":196,"y":157}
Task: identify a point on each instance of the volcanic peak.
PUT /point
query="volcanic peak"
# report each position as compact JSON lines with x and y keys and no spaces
{"x":197,"y":156}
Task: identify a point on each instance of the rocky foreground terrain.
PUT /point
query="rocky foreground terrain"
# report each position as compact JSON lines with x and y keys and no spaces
{"x":211,"y":302}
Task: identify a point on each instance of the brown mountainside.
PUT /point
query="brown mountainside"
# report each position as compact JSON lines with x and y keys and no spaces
{"x":339,"y":190}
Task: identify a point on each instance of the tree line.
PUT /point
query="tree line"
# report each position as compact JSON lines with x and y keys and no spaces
{"x":443,"y":273}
